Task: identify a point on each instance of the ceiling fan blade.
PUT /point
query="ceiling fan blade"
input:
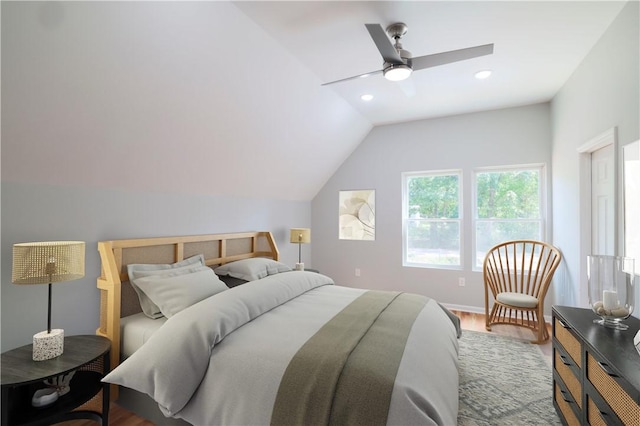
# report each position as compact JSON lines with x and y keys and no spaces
{"x":353,"y":78}
{"x":436,"y":59}
{"x":382,"y":41}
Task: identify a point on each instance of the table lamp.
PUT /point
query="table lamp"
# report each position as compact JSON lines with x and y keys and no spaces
{"x":47,"y":263}
{"x":300,"y":236}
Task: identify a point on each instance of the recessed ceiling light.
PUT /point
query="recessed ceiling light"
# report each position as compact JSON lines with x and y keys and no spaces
{"x":481,"y":75}
{"x":366,"y":97}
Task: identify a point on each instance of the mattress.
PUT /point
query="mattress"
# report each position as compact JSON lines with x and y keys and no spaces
{"x":135,"y":330}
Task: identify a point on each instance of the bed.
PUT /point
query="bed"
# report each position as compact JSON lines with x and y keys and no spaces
{"x":284,"y":347}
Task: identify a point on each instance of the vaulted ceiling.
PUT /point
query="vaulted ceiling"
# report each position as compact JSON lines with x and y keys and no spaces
{"x":227,"y":98}
{"x":537,"y":45}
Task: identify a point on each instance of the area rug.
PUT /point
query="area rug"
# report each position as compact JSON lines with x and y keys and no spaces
{"x":504,"y":381}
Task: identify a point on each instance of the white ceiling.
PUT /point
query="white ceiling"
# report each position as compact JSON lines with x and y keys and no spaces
{"x":227,"y":98}
{"x":537,"y":47}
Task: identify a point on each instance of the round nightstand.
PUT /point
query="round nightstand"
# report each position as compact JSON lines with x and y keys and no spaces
{"x":88,"y":398}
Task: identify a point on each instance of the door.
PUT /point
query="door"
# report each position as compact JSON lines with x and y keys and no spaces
{"x":603,"y":209}
{"x":598,"y":211}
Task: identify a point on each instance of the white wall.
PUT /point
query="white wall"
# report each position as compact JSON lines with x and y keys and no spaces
{"x":176,"y":96}
{"x":493,"y":138}
{"x":602,"y":93}
{"x":49,"y":212}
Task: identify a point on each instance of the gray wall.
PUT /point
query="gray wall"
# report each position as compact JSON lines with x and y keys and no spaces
{"x":602,"y":93}
{"x":146,"y":88}
{"x":493,"y":138}
{"x":102,"y":130}
{"x":47,"y":212}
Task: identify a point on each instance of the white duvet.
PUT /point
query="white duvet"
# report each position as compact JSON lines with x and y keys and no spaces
{"x":220,"y":361}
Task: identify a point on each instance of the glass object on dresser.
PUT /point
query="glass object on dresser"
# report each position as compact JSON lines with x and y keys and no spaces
{"x":611,"y":289}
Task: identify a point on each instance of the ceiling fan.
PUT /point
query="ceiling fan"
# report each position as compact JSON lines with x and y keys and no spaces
{"x":398,"y":63}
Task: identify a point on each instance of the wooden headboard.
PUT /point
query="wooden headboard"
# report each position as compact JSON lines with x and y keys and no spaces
{"x":118,"y":299}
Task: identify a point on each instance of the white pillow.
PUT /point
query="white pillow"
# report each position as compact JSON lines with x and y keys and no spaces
{"x":176,"y":291}
{"x":252,"y":269}
{"x":137,"y":270}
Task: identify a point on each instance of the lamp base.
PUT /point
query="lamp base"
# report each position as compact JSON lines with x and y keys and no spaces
{"x":299,"y":266}
{"x":48,"y":345}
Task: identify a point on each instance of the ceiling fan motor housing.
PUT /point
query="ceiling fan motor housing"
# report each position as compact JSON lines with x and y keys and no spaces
{"x":397,"y":30}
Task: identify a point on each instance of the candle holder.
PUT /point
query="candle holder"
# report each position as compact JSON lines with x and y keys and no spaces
{"x":611,"y":289}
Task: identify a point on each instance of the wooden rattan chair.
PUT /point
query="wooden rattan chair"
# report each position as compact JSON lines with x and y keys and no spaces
{"x":518,"y":275}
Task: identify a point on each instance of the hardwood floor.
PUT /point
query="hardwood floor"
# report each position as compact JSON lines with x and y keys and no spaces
{"x":118,"y":416}
{"x":476,"y":322}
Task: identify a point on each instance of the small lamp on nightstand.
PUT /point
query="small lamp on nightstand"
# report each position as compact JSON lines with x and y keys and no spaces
{"x":300,"y":236}
{"x":42,"y":263}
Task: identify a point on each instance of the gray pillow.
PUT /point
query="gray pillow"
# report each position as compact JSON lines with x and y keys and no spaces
{"x":138,"y":270}
{"x":252,"y":269}
{"x":175,"y":291}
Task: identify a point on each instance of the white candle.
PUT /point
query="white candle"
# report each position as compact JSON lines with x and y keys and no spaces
{"x":609,"y":299}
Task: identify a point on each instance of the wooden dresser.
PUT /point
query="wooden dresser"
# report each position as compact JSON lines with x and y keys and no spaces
{"x":596,"y":370}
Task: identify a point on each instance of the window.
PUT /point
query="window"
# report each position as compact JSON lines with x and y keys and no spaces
{"x":432,"y":206}
{"x":508,"y":205}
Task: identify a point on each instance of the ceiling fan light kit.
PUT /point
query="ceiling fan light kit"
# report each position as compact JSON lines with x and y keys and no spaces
{"x":397,"y":72}
{"x":398,"y":64}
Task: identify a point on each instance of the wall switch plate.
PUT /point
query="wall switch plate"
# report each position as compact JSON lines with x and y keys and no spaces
{"x":461,"y":282}
{"x":357,"y":272}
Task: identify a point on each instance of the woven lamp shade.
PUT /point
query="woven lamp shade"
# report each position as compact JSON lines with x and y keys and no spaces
{"x":47,"y":262}
{"x":300,"y":235}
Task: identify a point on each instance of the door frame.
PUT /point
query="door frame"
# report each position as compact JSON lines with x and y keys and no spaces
{"x":608,"y":137}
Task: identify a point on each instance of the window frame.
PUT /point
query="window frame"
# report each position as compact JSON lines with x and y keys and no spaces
{"x":542,"y":196}
{"x":405,"y":217}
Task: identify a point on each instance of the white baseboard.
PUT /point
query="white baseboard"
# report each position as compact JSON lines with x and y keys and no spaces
{"x":477,"y":310}
{"x":464,"y":308}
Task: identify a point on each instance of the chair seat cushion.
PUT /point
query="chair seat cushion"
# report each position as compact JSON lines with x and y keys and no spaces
{"x":517,"y":299}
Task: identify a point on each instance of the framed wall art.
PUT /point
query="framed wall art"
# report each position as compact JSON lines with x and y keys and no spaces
{"x":357,"y":215}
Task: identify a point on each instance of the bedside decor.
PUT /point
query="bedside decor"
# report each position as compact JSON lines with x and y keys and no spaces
{"x":300,"y":236}
{"x":44,"y":397}
{"x":61,"y":383}
{"x":47,"y":263}
{"x":611,"y":289}
{"x":26,"y":402}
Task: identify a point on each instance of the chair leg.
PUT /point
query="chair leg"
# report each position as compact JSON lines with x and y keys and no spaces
{"x":487,"y":321}
{"x":489,"y":316}
{"x":542,"y":329}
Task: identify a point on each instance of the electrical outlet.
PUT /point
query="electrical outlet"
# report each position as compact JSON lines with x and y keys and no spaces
{"x":461,"y":282}
{"x":357,"y":272}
